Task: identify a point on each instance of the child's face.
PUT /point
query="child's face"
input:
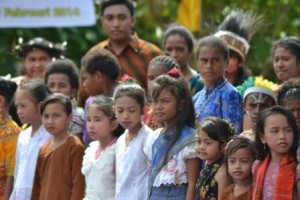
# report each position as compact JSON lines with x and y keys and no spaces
{"x":60,"y":83}
{"x":208,"y":149}
{"x":26,"y":105}
{"x":165,"y":108}
{"x":91,"y":83}
{"x":153,"y":72}
{"x":240,"y":164}
{"x":285,"y":64}
{"x":55,"y":119}
{"x":294,"y":106}
{"x":99,"y":125}
{"x":176,"y":47}
{"x":211,"y":64}
{"x":128,"y":112}
{"x":278,"y":135}
{"x":35,"y":63}
{"x":255,"y":103}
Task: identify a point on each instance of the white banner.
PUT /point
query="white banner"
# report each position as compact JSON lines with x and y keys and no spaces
{"x":46,"y":13}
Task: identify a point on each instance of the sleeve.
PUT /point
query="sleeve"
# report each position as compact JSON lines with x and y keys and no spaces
{"x":77,"y":192}
{"x":35,"y":195}
{"x":189,"y":151}
{"x":10,"y":154}
{"x":17,"y":159}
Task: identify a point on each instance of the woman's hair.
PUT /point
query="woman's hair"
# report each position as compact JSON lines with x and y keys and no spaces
{"x":62,"y":99}
{"x":263,"y":149}
{"x":165,"y":61}
{"x":176,"y":29}
{"x":37,"y":89}
{"x":237,"y":143}
{"x":7,"y":90}
{"x":105,"y":105}
{"x":66,"y":67}
{"x":131,"y":90}
{"x":214,"y":42}
{"x":217,"y":129}
{"x":101,"y":60}
{"x":290,"y":43}
{"x":290,"y":90}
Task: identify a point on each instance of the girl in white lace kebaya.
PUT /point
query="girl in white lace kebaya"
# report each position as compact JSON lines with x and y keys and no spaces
{"x":28,"y":100}
{"x":99,"y":159}
{"x":132,"y":161}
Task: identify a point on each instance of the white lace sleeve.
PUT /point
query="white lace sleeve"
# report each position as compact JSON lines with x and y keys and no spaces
{"x":189,"y":151}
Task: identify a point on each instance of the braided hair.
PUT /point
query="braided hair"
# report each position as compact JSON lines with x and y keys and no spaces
{"x":165,"y":61}
{"x":289,"y":90}
{"x":290,"y":43}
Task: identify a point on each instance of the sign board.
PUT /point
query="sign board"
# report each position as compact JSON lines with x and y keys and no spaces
{"x":46,"y":13}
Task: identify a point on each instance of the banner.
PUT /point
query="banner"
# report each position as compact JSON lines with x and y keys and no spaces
{"x":189,"y":14}
{"x":46,"y":13}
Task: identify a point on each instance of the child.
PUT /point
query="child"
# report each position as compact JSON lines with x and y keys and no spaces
{"x":277,"y":138}
{"x":213,"y":135}
{"x":9,"y":131}
{"x":99,"y":160}
{"x":239,"y":157}
{"x":286,"y":58}
{"x":100,"y":71}
{"x":178,"y":42}
{"x":258,"y":94}
{"x":28,"y":100}
{"x":62,"y":76}
{"x":174,"y":166}
{"x":57,"y":174}
{"x":218,"y":98}
{"x":289,"y":97}
{"x":131,"y":159}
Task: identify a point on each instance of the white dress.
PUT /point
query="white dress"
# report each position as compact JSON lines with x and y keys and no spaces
{"x":99,"y":173}
{"x":26,"y":157}
{"x":132,"y":167}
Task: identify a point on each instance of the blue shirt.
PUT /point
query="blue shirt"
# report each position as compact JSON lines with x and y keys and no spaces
{"x":221,"y":100}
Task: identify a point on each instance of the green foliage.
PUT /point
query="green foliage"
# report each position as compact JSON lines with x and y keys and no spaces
{"x":154,"y":16}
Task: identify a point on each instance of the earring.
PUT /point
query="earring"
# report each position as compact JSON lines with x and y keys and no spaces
{"x":264,"y":146}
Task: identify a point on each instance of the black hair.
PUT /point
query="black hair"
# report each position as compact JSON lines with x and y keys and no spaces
{"x":38,"y":90}
{"x":58,"y":98}
{"x":101,"y":60}
{"x":66,"y":67}
{"x":131,"y":90}
{"x":217,"y":129}
{"x":166,"y":61}
{"x":289,"y":90}
{"x":7,"y":90}
{"x":263,"y":149}
{"x":290,"y":43}
{"x":178,"y":88}
{"x":106,"y":3}
{"x":176,"y":29}
{"x":105,"y":104}
{"x":214,"y":42}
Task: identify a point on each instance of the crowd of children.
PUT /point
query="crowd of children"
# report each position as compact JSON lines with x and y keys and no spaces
{"x":200,"y":133}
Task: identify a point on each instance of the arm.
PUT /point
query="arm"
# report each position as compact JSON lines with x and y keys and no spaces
{"x":8,"y":187}
{"x":222,"y":180}
{"x":193,"y":170}
{"x":298,"y":189}
{"x":35,"y":195}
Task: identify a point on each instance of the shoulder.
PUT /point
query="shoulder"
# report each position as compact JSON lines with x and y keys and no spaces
{"x":74,"y":143}
{"x":101,"y":44}
{"x":227,"y":191}
{"x":147,"y":46}
{"x":221,"y":173}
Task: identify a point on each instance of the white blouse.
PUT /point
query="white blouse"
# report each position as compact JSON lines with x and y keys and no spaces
{"x":26,"y":157}
{"x":132,"y":166}
{"x":174,"y":171}
{"x":99,"y":172}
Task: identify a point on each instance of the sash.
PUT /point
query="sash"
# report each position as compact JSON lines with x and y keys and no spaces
{"x":160,"y":146}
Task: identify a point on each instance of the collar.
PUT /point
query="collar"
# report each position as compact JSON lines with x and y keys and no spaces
{"x":218,"y":84}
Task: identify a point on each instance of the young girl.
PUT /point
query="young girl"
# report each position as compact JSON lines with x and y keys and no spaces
{"x":9,"y":131}
{"x":58,"y":174}
{"x":286,"y":58}
{"x":131,"y":153}
{"x":289,"y":97}
{"x":174,"y":166}
{"x":99,"y":160}
{"x":277,"y":138}
{"x":239,"y":157}
{"x":178,"y":42}
{"x":213,"y":136}
{"x":28,"y":101}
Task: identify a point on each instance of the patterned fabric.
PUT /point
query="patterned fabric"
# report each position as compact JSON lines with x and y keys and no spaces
{"x":134,"y":59}
{"x":207,"y":187}
{"x":8,"y":145}
{"x":221,"y":100}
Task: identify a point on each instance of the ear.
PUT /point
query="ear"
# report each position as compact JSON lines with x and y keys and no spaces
{"x":2,"y":101}
{"x":99,"y":76}
{"x":262,"y":138}
{"x":74,"y":92}
{"x":114,"y":124}
{"x":132,"y":21}
{"x":222,"y":147}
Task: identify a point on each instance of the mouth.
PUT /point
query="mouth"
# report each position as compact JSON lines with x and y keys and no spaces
{"x":126,"y":124}
{"x":282,"y":144}
{"x":237,"y":173}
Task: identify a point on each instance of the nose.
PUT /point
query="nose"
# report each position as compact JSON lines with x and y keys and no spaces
{"x":237,"y":165}
{"x":115,"y":22}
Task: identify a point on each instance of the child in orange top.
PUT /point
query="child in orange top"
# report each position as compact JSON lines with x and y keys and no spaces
{"x":58,"y":171}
